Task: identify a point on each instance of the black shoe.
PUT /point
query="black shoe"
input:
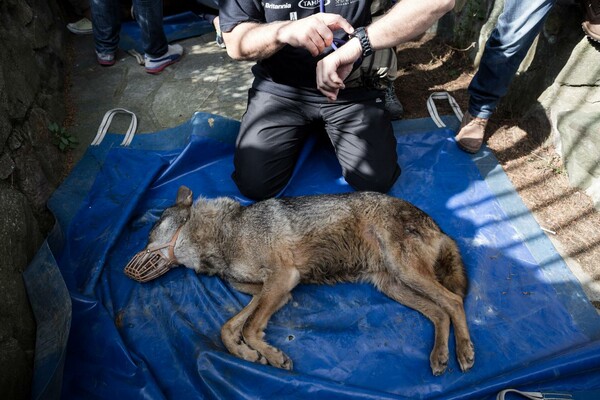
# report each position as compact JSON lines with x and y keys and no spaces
{"x":392,"y":104}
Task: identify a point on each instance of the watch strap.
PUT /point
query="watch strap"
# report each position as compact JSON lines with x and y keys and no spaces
{"x":363,"y":38}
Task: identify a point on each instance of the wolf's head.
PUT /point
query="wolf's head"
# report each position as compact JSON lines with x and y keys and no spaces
{"x":159,"y":255}
{"x":171,"y":219}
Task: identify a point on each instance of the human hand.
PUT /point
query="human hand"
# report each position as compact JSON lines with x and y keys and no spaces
{"x":333,"y":69}
{"x":314,"y":33}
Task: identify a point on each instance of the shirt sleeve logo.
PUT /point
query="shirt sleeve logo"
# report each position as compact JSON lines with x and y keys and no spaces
{"x":311,"y":4}
{"x":273,"y":6}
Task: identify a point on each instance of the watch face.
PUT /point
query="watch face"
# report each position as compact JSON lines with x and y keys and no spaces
{"x":358,"y":32}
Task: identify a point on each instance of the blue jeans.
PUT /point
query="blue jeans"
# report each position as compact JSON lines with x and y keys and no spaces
{"x":517,"y":27}
{"x":106,"y":22}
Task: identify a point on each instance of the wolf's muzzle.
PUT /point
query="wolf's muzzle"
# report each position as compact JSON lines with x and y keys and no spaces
{"x":151,"y":263}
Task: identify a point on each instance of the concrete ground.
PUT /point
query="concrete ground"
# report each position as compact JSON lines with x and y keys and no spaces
{"x":205,"y":79}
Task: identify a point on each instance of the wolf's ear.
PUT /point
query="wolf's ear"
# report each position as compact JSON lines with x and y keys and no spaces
{"x":184,"y":196}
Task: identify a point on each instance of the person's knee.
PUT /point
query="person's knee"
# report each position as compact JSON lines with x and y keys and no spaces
{"x":377,"y":182}
{"x":256,"y":186}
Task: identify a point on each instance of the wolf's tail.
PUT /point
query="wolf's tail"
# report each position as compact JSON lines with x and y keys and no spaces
{"x":449,"y":268}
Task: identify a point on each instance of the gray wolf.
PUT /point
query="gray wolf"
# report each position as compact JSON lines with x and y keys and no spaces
{"x":269,"y":247}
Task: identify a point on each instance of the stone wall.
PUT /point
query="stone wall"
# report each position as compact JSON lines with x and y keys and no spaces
{"x":31,"y":97}
{"x":573,"y":102}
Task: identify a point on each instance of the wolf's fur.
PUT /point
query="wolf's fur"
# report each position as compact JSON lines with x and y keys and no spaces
{"x":268,"y":248}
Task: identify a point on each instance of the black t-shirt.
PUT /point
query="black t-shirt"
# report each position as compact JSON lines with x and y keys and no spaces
{"x":291,"y":72}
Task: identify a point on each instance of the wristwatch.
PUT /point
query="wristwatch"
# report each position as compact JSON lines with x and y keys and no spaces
{"x":363,"y":38}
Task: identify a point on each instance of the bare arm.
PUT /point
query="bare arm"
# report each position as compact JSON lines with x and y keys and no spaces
{"x":255,"y":41}
{"x":405,"y":21}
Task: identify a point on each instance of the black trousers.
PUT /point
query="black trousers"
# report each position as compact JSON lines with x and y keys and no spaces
{"x":274,"y":129}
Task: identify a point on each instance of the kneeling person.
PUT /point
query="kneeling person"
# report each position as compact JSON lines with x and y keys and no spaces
{"x":302,"y":86}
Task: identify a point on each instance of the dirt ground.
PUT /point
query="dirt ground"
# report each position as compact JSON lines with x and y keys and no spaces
{"x":535,"y":169}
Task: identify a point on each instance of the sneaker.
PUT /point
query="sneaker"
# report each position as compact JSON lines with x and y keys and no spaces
{"x":81,"y":27}
{"x":219,"y":39}
{"x":471,"y":133}
{"x":392,"y":104}
{"x":592,"y":31}
{"x":105,"y":59}
{"x":591,"y":25}
{"x":156,"y":65}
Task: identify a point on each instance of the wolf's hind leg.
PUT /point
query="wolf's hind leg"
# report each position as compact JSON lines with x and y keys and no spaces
{"x":441,"y":321}
{"x":233,"y":339}
{"x":419,"y":276}
{"x":275,"y":293}
{"x":248,"y":288}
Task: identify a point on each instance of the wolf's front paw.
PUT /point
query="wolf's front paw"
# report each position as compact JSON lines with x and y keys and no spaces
{"x":465,"y":353}
{"x":278,"y":358}
{"x":249,"y":354}
{"x":438,"y":361}
{"x":238,"y":347}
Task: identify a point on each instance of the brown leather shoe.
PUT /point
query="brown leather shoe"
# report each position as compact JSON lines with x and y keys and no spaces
{"x":471,"y":133}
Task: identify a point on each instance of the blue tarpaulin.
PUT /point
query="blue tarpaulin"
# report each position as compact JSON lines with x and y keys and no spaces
{"x":104,"y":336}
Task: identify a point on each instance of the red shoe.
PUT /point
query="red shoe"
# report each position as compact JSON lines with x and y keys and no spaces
{"x":105,"y":59}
